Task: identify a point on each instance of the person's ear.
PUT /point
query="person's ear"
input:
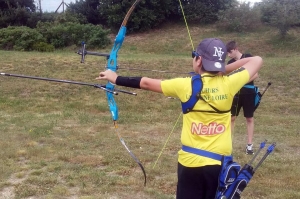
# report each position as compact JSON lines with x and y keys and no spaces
{"x":199,"y":61}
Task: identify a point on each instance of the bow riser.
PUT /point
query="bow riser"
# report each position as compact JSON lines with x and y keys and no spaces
{"x":111,"y":102}
{"x":112,"y":64}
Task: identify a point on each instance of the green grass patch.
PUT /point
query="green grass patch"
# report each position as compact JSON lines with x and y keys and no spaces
{"x":58,"y":140}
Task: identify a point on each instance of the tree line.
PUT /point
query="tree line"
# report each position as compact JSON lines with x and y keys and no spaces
{"x":59,"y":29}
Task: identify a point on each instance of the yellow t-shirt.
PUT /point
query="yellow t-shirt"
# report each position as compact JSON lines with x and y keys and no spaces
{"x":205,"y":130}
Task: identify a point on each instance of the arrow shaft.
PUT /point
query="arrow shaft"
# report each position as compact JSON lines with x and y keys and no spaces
{"x":59,"y":80}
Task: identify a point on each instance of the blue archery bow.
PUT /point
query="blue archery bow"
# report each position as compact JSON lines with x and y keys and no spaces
{"x":109,"y":88}
{"x":112,"y":65}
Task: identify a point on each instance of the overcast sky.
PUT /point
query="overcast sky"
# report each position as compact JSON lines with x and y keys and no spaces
{"x":52,"y":5}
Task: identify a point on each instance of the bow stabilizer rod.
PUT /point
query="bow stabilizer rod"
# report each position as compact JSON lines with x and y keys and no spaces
{"x":83,"y":52}
{"x":102,"y":87}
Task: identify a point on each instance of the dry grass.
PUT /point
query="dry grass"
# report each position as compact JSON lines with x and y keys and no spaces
{"x":58,"y":140}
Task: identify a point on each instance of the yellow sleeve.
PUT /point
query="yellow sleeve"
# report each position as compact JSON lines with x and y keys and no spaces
{"x":238,"y":79}
{"x":178,"y":87}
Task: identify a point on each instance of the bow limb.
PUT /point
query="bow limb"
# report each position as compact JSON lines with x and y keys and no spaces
{"x":112,"y":64}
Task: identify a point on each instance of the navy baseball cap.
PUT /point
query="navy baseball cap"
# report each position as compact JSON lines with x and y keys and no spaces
{"x":213,"y":52}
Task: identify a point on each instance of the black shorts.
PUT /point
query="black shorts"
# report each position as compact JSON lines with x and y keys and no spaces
{"x":245,"y":100}
{"x":197,"y":182}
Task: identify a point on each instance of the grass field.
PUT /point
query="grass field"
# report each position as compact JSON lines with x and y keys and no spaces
{"x":58,"y":140}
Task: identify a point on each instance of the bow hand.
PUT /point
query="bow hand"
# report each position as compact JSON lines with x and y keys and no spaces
{"x":108,"y":75}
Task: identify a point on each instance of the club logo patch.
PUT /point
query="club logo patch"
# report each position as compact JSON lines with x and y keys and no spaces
{"x":218,"y":52}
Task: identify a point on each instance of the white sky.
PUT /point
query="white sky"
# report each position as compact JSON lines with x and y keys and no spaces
{"x":52,"y":5}
{"x":251,"y":1}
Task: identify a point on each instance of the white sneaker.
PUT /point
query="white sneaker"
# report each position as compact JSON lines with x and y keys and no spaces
{"x":249,"y":149}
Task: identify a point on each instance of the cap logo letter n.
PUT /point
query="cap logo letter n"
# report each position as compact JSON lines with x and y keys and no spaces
{"x":218,"y":53}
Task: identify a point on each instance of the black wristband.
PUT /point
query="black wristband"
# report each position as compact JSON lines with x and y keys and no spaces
{"x":132,"y":82}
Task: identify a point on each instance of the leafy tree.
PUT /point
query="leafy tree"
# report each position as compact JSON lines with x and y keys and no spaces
{"x":148,"y":14}
{"x":70,"y":17}
{"x":13,"y":4}
{"x":86,"y":10}
{"x":16,"y":12}
{"x":205,"y":11}
{"x":282,"y":14}
{"x":240,"y":18}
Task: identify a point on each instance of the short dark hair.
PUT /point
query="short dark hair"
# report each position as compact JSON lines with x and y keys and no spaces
{"x":211,"y":72}
{"x":231,"y":46}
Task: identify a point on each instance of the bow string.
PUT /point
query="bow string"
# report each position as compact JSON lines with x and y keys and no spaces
{"x":190,"y":73}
